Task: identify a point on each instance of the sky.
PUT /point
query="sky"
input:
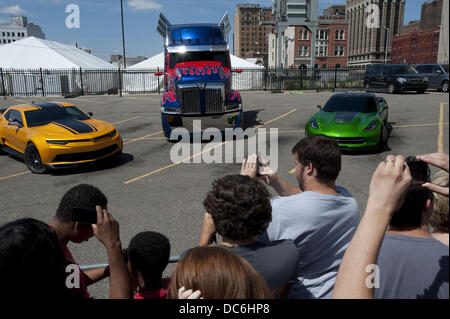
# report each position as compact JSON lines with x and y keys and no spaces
{"x":100,"y":23}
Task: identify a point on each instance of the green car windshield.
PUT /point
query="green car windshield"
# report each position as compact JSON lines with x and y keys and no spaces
{"x":351,"y":103}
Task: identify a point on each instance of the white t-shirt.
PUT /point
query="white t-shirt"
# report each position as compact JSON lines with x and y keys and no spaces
{"x":321,"y":226}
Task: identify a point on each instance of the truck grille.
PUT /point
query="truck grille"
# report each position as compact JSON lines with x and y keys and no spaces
{"x":190,"y":100}
{"x":214,"y":101}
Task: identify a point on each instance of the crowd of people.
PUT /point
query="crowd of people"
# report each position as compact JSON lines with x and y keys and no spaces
{"x":306,"y":243}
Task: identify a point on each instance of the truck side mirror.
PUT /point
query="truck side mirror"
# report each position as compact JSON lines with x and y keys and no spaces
{"x":237,"y":71}
{"x":90,"y":114}
{"x":319,"y":107}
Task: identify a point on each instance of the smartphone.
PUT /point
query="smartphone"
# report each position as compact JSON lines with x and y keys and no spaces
{"x":84,"y":215}
{"x":258,"y":165}
{"x":420,"y":171}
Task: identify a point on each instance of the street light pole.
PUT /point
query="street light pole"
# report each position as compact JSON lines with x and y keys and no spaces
{"x":123,"y":36}
{"x":386,"y":44}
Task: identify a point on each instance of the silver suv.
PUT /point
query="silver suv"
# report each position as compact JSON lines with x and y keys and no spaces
{"x":437,"y":75}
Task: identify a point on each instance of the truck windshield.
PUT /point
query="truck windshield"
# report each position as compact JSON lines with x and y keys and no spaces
{"x":200,"y":56}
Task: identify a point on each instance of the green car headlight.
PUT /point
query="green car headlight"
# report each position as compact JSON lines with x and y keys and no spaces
{"x":372,"y":125}
{"x":313,"y":124}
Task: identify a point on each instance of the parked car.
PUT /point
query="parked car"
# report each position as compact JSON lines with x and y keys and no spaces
{"x":56,"y":135}
{"x":437,"y":75}
{"x":355,"y":120}
{"x":395,"y":78}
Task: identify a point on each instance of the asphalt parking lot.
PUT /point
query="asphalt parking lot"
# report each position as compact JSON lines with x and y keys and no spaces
{"x":147,"y":191}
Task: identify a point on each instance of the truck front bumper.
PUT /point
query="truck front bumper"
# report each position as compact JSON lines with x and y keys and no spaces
{"x":180,"y":125}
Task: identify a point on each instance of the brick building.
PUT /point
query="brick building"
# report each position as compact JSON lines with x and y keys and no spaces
{"x":249,"y":37}
{"x":331,"y":40}
{"x":418,"y":41}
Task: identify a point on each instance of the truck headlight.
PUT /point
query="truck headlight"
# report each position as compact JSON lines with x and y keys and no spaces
{"x":313,"y":124}
{"x":372,"y":125}
{"x":402,"y":80}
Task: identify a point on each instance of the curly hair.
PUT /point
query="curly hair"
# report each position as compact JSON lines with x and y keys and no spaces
{"x":240,"y":206}
{"x":149,"y":253}
{"x":439,"y":218}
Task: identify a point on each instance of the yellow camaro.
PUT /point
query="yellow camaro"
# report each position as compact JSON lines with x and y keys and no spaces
{"x":56,"y":135}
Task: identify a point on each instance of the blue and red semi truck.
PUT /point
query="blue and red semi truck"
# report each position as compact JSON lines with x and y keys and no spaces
{"x":197,"y":77}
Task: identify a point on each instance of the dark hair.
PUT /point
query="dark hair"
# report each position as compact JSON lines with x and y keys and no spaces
{"x":409,"y":215}
{"x":240,"y":206}
{"x":31,"y":261}
{"x":323,"y":153}
{"x":149,"y":253}
{"x":82,"y":195}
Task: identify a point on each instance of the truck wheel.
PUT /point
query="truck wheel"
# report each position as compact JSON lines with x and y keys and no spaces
{"x":33,"y":160}
{"x":444,"y":87}
{"x":391,"y":88}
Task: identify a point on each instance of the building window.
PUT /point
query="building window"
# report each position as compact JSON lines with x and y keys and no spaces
{"x":303,"y":50}
{"x":340,"y":34}
{"x":339,"y":50}
{"x":321,"y":48}
{"x":303,"y":35}
{"x":322,"y":34}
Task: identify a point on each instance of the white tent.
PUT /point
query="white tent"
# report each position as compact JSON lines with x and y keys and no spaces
{"x":34,"y":53}
{"x":143,"y":81}
{"x":64,"y":69}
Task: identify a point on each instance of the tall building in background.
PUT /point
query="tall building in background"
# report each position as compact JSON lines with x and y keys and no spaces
{"x":443,"y":37}
{"x":18,"y":29}
{"x":418,"y":41}
{"x":368,"y":45}
{"x":249,"y":37}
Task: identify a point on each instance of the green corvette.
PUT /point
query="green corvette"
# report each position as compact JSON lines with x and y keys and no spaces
{"x":356,"y":120}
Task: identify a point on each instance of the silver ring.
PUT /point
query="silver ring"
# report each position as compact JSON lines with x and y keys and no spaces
{"x":389,"y":160}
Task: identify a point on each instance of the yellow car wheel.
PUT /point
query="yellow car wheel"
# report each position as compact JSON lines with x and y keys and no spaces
{"x":33,"y":160}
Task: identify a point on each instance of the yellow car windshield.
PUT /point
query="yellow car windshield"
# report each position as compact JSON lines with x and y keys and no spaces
{"x":50,"y":114}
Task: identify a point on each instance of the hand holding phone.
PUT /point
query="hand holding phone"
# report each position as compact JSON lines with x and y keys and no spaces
{"x":84,"y":215}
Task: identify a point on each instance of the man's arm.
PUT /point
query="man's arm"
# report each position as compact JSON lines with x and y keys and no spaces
{"x":250,"y":168}
{"x":440,"y":160}
{"x":95,"y":275}
{"x":107,"y":232}
{"x":208,"y":230}
{"x":387,"y":190}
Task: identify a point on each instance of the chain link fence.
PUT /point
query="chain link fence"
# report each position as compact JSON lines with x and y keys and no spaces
{"x":75,"y":82}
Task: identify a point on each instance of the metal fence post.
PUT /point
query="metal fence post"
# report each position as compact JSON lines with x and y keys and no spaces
{"x":3,"y":83}
{"x":120,"y":83}
{"x":42,"y":82}
{"x":81,"y":82}
{"x":335,"y":77}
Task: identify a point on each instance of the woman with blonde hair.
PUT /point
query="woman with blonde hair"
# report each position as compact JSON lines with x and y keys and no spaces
{"x":217,"y":273}
{"x":439,"y":219}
